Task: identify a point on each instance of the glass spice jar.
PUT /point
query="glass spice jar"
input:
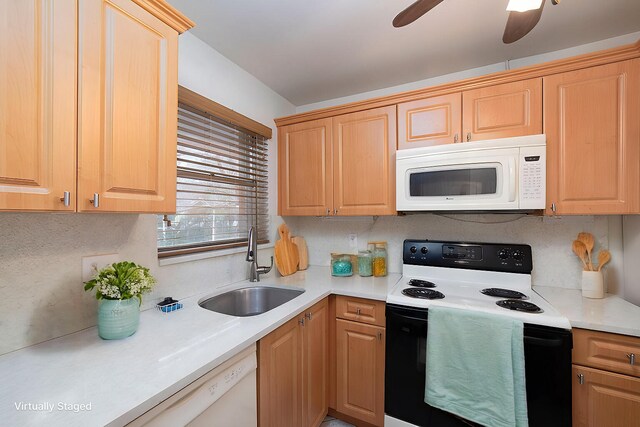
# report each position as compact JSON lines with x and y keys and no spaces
{"x":379,"y":258}
{"x":365,"y":263}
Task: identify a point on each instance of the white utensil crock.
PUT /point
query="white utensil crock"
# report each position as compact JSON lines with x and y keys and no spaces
{"x":592,"y":284}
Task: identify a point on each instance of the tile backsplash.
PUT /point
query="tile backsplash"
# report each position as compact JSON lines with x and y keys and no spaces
{"x":550,"y":238}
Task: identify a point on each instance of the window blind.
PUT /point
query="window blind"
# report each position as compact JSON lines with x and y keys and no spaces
{"x":222,"y":186}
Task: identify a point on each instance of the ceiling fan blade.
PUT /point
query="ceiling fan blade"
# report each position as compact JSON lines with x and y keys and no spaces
{"x":520,"y":23}
{"x":415,"y":11}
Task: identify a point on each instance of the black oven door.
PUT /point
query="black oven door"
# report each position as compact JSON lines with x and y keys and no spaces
{"x":547,"y":365}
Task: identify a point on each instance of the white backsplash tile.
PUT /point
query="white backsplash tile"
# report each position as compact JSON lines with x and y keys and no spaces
{"x":550,"y":238}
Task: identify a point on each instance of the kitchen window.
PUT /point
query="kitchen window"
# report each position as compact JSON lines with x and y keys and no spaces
{"x":222,"y":179}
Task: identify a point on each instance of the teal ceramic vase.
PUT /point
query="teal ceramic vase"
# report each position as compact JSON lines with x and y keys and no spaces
{"x":118,"y":319}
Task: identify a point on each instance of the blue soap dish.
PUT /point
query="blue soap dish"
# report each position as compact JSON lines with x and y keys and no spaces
{"x":168,"y":305}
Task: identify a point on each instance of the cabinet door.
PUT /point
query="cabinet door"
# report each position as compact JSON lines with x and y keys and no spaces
{"x":360,"y":371}
{"x":305,"y":177}
{"x":501,"y":111}
{"x":37,"y":104}
{"x":128,"y":109}
{"x":364,"y":147}
{"x":315,"y":364}
{"x":592,"y":128}
{"x":604,"y":399}
{"x":280,"y":377}
{"x":430,"y":121}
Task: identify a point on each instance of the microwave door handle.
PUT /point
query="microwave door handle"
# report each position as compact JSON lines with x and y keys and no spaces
{"x":512,"y":179}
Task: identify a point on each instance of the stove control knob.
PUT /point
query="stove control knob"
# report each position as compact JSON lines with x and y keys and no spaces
{"x":424,"y":250}
{"x":413,"y":249}
{"x":503,"y":254}
{"x":517,"y":255}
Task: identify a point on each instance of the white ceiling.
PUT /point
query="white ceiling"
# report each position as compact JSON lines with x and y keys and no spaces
{"x":310,"y":51}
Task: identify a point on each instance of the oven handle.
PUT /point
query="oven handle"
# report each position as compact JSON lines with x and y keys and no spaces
{"x":543,"y":342}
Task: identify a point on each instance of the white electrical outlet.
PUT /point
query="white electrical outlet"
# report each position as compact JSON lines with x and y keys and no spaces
{"x":91,"y":264}
{"x":353,"y":241}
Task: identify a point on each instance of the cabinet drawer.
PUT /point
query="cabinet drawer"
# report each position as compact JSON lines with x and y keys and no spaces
{"x":606,"y":351}
{"x":360,"y":310}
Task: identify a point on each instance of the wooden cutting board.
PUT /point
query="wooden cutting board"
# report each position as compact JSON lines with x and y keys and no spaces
{"x":303,"y":254}
{"x":285,"y":253}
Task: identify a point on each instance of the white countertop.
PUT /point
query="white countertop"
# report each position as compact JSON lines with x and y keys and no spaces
{"x":123,"y":379}
{"x":609,"y":314}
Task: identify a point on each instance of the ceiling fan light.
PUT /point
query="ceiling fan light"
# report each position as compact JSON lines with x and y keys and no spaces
{"x":523,"y":5}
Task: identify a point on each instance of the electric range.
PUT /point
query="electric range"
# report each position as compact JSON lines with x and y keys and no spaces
{"x":467,"y":276}
{"x":459,"y":272}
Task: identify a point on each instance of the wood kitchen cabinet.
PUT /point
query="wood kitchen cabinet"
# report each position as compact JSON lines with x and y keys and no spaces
{"x":105,"y":71}
{"x":502,"y":110}
{"x":359,"y":359}
{"x":430,"y":121}
{"x":364,"y":147}
{"x":339,"y":166}
{"x":305,"y":168}
{"x":591,"y":119}
{"x":606,"y":379}
{"x":38,"y":98}
{"x":497,"y":111}
{"x":293,"y":367}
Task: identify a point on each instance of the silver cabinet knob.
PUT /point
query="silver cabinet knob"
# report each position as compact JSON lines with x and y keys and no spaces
{"x":580,"y":379}
{"x":632,"y":358}
{"x":308,"y":315}
{"x":468,"y":136}
{"x":96,"y":200}
{"x":358,"y":311}
{"x":66,"y":199}
{"x":456,"y":139}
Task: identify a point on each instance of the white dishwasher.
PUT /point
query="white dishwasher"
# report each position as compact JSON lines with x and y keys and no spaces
{"x":224,"y":397}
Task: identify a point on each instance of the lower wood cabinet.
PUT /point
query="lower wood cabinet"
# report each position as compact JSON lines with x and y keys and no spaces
{"x":602,"y":397}
{"x":360,"y":370}
{"x":293,"y":367}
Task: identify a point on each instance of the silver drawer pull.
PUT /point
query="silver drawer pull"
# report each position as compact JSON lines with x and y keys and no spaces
{"x":358,"y":311}
{"x":66,"y":199}
{"x":580,"y":379}
{"x":96,"y":200}
{"x":632,"y":358}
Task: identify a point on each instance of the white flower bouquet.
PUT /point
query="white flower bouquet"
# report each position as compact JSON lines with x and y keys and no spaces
{"x":120,"y":281}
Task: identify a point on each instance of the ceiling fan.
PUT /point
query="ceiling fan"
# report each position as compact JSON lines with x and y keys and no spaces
{"x":523,"y":16}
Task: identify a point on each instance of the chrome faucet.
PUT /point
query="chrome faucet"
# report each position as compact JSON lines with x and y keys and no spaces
{"x":252,"y":257}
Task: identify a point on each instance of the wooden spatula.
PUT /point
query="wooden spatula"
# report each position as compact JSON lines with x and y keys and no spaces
{"x":588,"y":240}
{"x":604,"y":256}
{"x":581,"y":251}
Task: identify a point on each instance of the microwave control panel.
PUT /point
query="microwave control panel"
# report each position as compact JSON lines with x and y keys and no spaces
{"x":533,"y":172}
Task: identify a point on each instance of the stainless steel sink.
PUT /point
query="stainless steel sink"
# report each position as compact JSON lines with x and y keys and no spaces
{"x":250,"y":301}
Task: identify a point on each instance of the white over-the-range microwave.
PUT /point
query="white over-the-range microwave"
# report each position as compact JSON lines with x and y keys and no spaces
{"x":493,"y":175}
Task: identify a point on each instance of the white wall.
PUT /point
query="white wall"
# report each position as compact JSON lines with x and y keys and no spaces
{"x":475,"y":72}
{"x":41,"y":295}
{"x":631,"y":244}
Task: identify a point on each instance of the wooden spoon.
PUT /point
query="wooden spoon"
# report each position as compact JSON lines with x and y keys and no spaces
{"x":604,"y":256}
{"x":581,"y":251}
{"x":588,"y":240}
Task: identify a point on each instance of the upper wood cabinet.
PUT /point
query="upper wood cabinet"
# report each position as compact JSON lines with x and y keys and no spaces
{"x":364,"y":147}
{"x":89,"y":105}
{"x":128,"y":109}
{"x":592,"y":123}
{"x":339,"y":166}
{"x":305,"y":168}
{"x":498,"y":111}
{"x":430,"y":121}
{"x":503,"y":110}
{"x":37,"y":105}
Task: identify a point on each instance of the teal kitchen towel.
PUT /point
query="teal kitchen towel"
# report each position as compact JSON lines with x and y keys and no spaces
{"x":475,"y":366}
